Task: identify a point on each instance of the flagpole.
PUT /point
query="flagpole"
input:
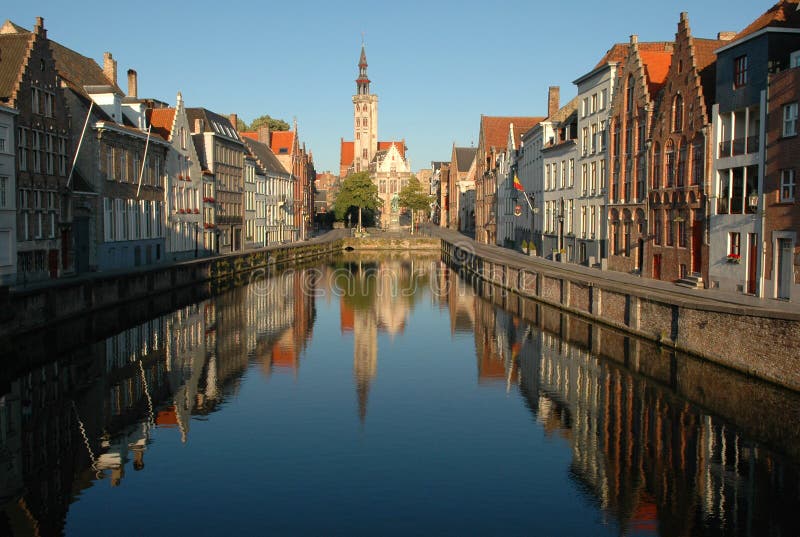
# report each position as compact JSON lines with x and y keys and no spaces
{"x":144,"y":160}
{"x":80,"y":142}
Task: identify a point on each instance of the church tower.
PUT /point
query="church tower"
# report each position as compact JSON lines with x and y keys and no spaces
{"x":365,"y":118}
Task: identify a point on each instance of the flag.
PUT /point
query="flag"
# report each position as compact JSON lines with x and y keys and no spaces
{"x":518,"y":184}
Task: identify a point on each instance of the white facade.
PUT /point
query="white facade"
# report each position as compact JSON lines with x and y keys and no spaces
{"x":595,"y":91}
{"x":559,"y":193}
{"x":8,"y":197}
{"x":183,"y":190}
{"x":261,"y":209}
{"x":530,"y":170}
{"x":507,"y":196}
{"x":250,"y":237}
{"x":735,"y":226}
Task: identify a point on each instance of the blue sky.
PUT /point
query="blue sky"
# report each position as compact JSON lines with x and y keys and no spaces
{"x":435,"y":66}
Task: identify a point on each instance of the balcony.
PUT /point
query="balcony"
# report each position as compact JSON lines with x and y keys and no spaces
{"x":738,"y":146}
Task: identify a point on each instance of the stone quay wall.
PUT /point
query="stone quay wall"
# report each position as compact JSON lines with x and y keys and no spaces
{"x":758,"y":342}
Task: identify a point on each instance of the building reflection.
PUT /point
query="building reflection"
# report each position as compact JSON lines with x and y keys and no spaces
{"x":653,"y":461}
{"x":376,"y":297}
{"x":88,"y":417}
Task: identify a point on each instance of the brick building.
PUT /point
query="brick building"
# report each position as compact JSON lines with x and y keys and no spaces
{"x":781,"y":196}
{"x":677,"y":246}
{"x":29,"y":83}
{"x":461,"y":189}
{"x":640,"y":77}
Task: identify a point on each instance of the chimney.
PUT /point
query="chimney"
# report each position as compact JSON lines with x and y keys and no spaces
{"x":263,"y":134}
{"x":133,"y":86}
{"x":553,"y":97}
{"x":234,"y":121}
{"x":634,"y":39}
{"x":728,"y":36}
{"x":38,"y":28}
{"x":198,"y":125}
{"x":110,"y":67}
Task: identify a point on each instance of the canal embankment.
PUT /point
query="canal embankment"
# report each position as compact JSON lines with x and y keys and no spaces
{"x":35,"y":305}
{"x":756,"y":337}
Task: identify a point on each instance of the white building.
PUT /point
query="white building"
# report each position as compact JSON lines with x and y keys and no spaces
{"x":8,"y":190}
{"x":184,"y":219}
{"x":277,"y":201}
{"x":595,"y":90}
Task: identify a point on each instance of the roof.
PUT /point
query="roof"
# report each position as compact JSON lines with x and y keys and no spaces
{"x":619,"y":51}
{"x":401,"y":147}
{"x":565,"y":111}
{"x":706,"y":61}
{"x":212,"y":122}
{"x":78,"y":70}
{"x":464,"y":157}
{"x":494,"y":129}
{"x":346,"y":153}
{"x":784,"y":14}
{"x":161,"y":121}
{"x":656,"y":64}
{"x":14,"y":48}
{"x":265,"y":157}
{"x":282,"y":142}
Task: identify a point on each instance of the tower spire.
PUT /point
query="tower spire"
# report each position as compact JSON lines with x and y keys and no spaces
{"x":362,"y":82}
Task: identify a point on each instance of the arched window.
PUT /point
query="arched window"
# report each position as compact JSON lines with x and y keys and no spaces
{"x":698,"y":160}
{"x":364,"y":122}
{"x":656,"y":165}
{"x":681,"y":175}
{"x":669,"y":157}
{"x":677,"y":113}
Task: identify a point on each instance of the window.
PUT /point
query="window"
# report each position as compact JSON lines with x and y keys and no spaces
{"x":677,"y":113}
{"x":571,"y":180}
{"x":4,"y":145}
{"x":3,"y":192}
{"x":50,"y":153}
{"x":593,"y":107}
{"x":592,"y":220}
{"x":585,"y":140}
{"x":698,"y":161}
{"x":603,"y":99}
{"x":739,"y":71}
{"x":5,"y":247}
{"x":603,"y":173}
{"x":108,"y":219}
{"x":629,"y":95}
{"x":594,"y":138}
{"x":36,"y":100}
{"x":37,"y":151}
{"x":790,"y":119}
{"x":682,"y":238}
{"x":593,"y":177}
{"x":670,"y":229}
{"x":787,"y":186}
{"x":670,"y":161}
{"x":658,"y":230}
{"x":584,"y":178}
{"x":62,"y":156}
{"x":734,"y":244}
{"x":48,"y":104}
{"x":22,"y":148}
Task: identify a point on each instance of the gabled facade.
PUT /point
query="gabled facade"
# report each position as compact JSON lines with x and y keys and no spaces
{"x":8,"y":198}
{"x":492,"y":140}
{"x":677,"y":247}
{"x":559,"y":154}
{"x":184,"y":189}
{"x":640,"y":77}
{"x":29,"y":83}
{"x":737,"y":257}
{"x":221,"y":152}
{"x":461,"y":189}
{"x":390,"y":171}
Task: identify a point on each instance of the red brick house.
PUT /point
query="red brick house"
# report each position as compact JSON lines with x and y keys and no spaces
{"x":29,"y":83}
{"x":681,"y":161}
{"x":640,"y":77}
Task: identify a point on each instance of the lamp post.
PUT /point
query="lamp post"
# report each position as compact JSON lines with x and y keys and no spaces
{"x":561,"y":230}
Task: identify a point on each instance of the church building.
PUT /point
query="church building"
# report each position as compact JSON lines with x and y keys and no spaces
{"x":385,"y":161}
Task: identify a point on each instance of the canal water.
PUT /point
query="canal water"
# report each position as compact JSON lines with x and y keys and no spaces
{"x":382,"y":396}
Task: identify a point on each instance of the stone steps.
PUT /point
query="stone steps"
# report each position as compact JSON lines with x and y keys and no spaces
{"x":692,"y":281}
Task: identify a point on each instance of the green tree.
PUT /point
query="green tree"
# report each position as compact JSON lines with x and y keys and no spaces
{"x":272,"y":123}
{"x":413,"y":197}
{"x":241,"y":126}
{"x":357,"y":191}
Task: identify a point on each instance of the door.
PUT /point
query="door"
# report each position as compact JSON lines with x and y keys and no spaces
{"x":52,"y":263}
{"x":752,"y":262}
{"x":697,"y":246}
{"x":656,"y":266}
{"x":785,"y":268}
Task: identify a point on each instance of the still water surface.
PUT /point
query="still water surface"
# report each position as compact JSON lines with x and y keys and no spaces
{"x":388,"y":397}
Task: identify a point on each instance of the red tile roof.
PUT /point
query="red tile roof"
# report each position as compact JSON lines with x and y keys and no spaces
{"x":495,"y":129}
{"x":784,"y":14}
{"x":162,"y":120}
{"x":282,"y":140}
{"x":346,"y":154}
{"x":656,"y":64}
{"x":401,"y":147}
{"x":619,"y":51}
{"x":250,"y":135}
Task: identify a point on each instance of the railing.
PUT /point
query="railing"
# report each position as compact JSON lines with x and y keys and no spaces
{"x":752,"y":144}
{"x":738,"y":146}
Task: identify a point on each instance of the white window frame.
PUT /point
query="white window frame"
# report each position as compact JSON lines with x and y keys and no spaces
{"x":790,"y":119}
{"x":788,"y":185}
{"x":4,"y":182}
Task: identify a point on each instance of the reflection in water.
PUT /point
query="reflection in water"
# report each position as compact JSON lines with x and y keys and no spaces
{"x":646,"y":450}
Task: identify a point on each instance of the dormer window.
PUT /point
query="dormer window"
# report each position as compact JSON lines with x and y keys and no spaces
{"x":740,"y":71}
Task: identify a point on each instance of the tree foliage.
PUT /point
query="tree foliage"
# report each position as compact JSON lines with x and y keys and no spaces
{"x":358,"y":193}
{"x":271,"y":122}
{"x":413,"y":196}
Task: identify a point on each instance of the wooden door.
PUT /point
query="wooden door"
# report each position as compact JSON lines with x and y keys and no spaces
{"x":657,"y":266}
{"x":785,"y":268}
{"x":697,"y":246}
{"x":752,"y":263}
